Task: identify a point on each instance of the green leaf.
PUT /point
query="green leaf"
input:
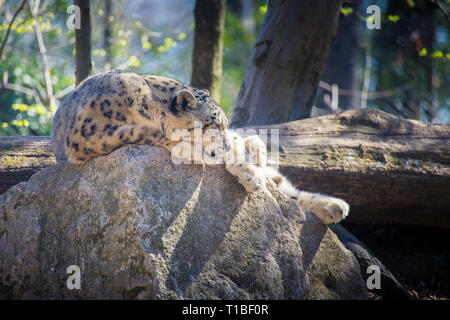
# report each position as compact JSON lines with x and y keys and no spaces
{"x":393,"y":17}
{"x":146,"y":45}
{"x":99,"y":52}
{"x":263,"y":9}
{"x":423,"y":52}
{"x":133,"y":61}
{"x":123,"y":43}
{"x":346,"y":11}
{"x":437,"y":54}
{"x":370,"y":19}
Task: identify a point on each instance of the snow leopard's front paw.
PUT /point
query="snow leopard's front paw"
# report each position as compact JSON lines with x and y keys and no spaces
{"x":256,"y":150}
{"x":331,"y":210}
{"x":251,"y":177}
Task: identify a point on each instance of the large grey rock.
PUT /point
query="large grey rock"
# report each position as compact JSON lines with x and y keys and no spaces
{"x":141,"y":227}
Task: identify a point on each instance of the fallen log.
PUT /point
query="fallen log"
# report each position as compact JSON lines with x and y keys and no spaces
{"x":390,"y":170}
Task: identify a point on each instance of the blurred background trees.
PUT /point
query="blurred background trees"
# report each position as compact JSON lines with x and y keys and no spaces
{"x":403,"y":68}
{"x":405,"y":64}
{"x":286,"y":62}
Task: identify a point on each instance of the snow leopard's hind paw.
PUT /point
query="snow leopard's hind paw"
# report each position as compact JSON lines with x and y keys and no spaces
{"x":333,"y":210}
{"x":327,"y":209}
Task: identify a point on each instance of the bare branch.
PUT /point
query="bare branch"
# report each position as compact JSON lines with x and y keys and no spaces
{"x":34,"y":7}
{"x":15,"y":87}
{"x":367,"y":74}
{"x":40,"y":90}
{"x":10,"y":26}
{"x":370,"y":95}
{"x":65,"y":92}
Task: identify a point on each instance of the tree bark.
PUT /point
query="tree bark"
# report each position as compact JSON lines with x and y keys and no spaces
{"x":208,"y":46}
{"x":83,"y":55}
{"x":389,"y":170}
{"x":285,"y":66}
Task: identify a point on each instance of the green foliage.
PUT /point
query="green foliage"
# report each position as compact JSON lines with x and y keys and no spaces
{"x":158,"y":45}
{"x":262,"y":9}
{"x":423,"y":52}
{"x":393,"y":17}
{"x":346,"y":11}
{"x":30,"y":120}
{"x":401,"y":55}
{"x":21,"y":113}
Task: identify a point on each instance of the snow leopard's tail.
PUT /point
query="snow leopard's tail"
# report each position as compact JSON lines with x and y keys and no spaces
{"x":328,"y":209}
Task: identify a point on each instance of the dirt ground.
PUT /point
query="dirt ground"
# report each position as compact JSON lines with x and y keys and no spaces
{"x":418,"y":257}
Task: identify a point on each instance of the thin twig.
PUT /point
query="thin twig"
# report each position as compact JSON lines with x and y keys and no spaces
{"x":367,"y":71}
{"x":4,"y":84}
{"x":10,"y":26}
{"x":34,"y":7}
{"x":370,"y":95}
{"x":18,"y":88}
{"x":41,"y":90}
{"x":65,"y":92}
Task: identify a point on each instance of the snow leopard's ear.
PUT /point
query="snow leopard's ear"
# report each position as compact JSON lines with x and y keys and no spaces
{"x":186,"y":99}
{"x":183,"y":101}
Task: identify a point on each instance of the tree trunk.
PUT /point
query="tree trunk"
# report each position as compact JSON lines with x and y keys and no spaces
{"x":342,"y":64}
{"x":208,"y":46}
{"x":389,"y":170}
{"x":83,"y":56}
{"x":285,"y":66}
